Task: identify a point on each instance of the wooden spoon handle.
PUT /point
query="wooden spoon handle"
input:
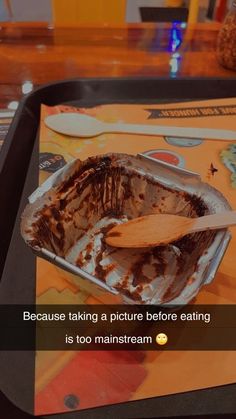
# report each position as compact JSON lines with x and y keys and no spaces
{"x":215,"y":221}
{"x":183,"y":132}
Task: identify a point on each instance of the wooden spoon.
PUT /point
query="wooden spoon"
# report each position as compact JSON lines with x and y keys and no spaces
{"x":160,"y":229}
{"x":80,"y":125}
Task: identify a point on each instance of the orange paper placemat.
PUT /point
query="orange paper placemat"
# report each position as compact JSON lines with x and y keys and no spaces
{"x":123,"y":376}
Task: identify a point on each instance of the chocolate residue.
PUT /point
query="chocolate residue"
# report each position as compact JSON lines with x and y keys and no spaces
{"x":137,"y":270}
{"x":102,"y":271}
{"x":90,"y":163}
{"x":196,"y":203}
{"x":43,"y":229}
{"x":62,"y":204}
{"x":132,"y":295}
{"x":114,"y":234}
{"x":157,"y":255}
{"x":80,"y":261}
{"x":105,"y":230}
{"x":190,"y":246}
{"x":159,"y":260}
{"x":109,"y":268}
{"x":55,"y":213}
{"x":88,"y":250}
{"x":187,"y":244}
{"x":128,"y":193}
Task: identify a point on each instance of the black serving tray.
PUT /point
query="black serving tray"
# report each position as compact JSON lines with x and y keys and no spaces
{"x":18,"y":179}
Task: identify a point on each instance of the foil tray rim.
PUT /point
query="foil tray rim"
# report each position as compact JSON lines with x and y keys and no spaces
{"x":179,"y":170}
{"x":214,"y":265}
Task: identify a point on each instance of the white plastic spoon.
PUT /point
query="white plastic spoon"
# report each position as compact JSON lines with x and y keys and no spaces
{"x":80,"y":125}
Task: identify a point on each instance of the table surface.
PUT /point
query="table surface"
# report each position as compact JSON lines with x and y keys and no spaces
{"x":39,"y":54}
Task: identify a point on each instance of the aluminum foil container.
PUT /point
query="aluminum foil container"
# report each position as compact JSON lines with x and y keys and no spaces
{"x":68,"y":216}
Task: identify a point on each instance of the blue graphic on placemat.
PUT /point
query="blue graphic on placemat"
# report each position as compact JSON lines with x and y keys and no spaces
{"x":183,"y":142}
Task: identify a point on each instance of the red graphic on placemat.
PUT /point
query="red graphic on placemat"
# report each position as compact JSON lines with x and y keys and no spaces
{"x":167,"y":156}
{"x":92,"y":379}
